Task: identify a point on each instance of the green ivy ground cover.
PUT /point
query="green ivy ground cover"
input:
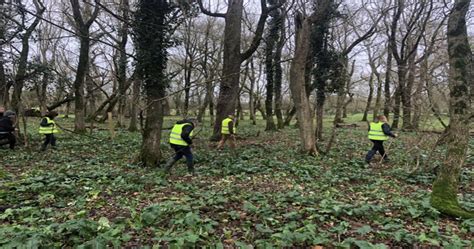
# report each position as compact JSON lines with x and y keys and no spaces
{"x":91,"y":194}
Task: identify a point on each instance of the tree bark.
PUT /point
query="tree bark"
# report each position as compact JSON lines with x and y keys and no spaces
{"x":298,"y":86}
{"x":387,"y":99}
{"x":152,"y":29}
{"x":21,"y":75}
{"x":4,"y":95}
{"x":279,"y":73}
{"x":122,"y":64}
{"x":251,"y":92}
{"x":134,"y":106}
{"x":229,"y":87}
{"x":369,"y":98}
{"x":84,"y":38}
{"x":445,"y":187}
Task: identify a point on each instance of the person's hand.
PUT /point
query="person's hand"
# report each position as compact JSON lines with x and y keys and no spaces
{"x":395,"y":135}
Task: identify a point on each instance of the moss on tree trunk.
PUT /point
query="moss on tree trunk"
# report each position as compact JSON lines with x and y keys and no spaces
{"x":445,"y":187}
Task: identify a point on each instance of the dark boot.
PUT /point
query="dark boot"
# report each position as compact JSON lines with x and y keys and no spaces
{"x":169,"y":164}
{"x":44,"y":147}
{"x":191,"y":168}
{"x":369,"y":155}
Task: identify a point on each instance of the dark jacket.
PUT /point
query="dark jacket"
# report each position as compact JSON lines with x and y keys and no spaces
{"x":6,"y":125}
{"x":231,"y":127}
{"x":187,"y":129}
{"x":387,"y":131}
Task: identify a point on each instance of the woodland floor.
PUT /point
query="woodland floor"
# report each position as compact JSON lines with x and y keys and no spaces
{"x":90,"y":193}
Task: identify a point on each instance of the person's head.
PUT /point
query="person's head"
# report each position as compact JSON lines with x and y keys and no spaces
{"x":10,"y":114}
{"x":51,"y":114}
{"x":231,"y":116}
{"x":382,"y":118}
{"x":192,"y":120}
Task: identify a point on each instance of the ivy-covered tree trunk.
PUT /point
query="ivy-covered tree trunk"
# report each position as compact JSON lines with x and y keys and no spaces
{"x":445,"y":187}
{"x":152,"y":30}
{"x":279,"y":75}
{"x":3,"y":81}
{"x":270,"y":63}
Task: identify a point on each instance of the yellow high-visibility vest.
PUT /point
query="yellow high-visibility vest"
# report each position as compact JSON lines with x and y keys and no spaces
{"x":376,"y":132}
{"x":51,"y":129}
{"x":175,"y":135}
{"x":225,"y":126}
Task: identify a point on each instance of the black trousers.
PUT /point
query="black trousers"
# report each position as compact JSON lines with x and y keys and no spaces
{"x":11,"y":140}
{"x":49,"y":139}
{"x":185,"y":151}
{"x":378,"y":146}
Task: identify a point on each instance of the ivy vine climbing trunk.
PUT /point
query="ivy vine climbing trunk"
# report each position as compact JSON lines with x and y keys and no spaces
{"x":445,"y":187}
{"x":152,"y":30}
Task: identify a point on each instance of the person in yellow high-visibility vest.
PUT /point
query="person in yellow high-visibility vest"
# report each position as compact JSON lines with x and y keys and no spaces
{"x":228,"y":131}
{"x":48,"y":128}
{"x":378,"y":132}
{"x":181,"y":141}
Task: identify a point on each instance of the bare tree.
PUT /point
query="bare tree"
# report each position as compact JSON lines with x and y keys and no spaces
{"x":83,"y":22}
{"x":404,"y":51}
{"x":21,"y":73}
{"x":233,"y":58}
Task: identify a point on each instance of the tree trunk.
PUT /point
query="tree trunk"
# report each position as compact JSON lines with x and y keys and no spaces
{"x":251,"y":93}
{"x":134,"y":106}
{"x":298,"y":88}
{"x":122,"y":65}
{"x":407,"y":93}
{"x":387,"y":102}
{"x":445,"y":187}
{"x":344,"y":108}
{"x":20,"y":76}
{"x":396,"y":107}
{"x":417,"y":97}
{"x":150,"y":153}
{"x":270,"y":64}
{"x":279,"y":73}
{"x":187,"y":84}
{"x":84,"y":38}
{"x":152,"y":28}
{"x":341,"y":90}
{"x":3,"y":80}
{"x":91,"y":94}
{"x":369,"y":99}
{"x":229,"y":87}
{"x":41,"y":93}
{"x":378,"y":98}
